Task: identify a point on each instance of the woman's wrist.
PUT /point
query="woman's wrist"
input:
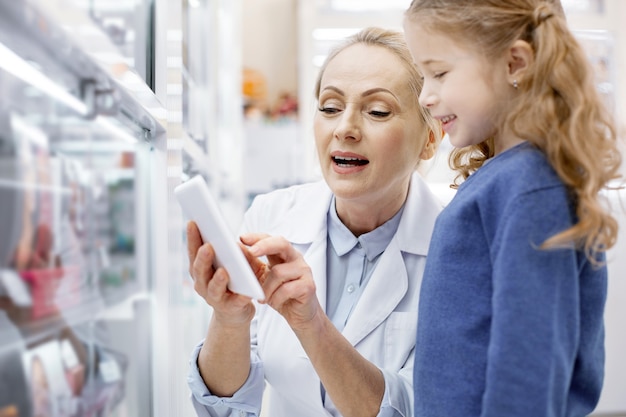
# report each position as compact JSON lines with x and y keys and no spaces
{"x":233,"y":322}
{"x":315,"y":328}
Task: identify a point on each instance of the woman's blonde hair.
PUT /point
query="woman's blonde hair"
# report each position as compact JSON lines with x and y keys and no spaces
{"x":558,"y":110}
{"x":394,"y":42}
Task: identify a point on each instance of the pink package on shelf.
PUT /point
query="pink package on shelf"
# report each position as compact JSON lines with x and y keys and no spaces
{"x":44,"y":284}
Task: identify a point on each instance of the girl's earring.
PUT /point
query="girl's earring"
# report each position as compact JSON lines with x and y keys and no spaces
{"x":515,"y":84}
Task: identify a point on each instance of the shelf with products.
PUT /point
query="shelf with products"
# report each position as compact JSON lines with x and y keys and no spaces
{"x":78,"y":131}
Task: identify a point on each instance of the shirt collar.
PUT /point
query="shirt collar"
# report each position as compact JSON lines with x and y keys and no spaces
{"x":373,"y":243}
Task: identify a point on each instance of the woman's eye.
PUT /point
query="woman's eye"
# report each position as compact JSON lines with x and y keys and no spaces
{"x":329,"y":110}
{"x":379,"y":113}
{"x":440,"y":75}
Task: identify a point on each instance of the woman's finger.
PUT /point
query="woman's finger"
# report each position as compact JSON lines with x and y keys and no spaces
{"x":296,"y":301}
{"x":202,"y":269}
{"x":194,"y":240}
{"x":218,"y":285}
{"x":276,"y":248}
{"x":289,"y":272}
{"x":258,"y":266}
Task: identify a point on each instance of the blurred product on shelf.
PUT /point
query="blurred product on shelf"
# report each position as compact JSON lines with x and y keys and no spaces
{"x":10,"y":411}
{"x":14,"y":392}
{"x":286,"y":107}
{"x":256,"y":101}
{"x":254,"y":92}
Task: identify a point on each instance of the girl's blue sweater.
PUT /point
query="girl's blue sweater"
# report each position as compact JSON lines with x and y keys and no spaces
{"x":505,"y":328}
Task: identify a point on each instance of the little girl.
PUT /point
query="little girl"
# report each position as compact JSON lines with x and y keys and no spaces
{"x":512,"y":302}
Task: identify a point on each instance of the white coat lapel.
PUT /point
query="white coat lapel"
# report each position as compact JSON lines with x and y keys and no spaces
{"x":315,"y":257}
{"x":303,"y":223}
{"x":389,"y":282}
{"x":386,"y":288}
{"x":301,"y":218}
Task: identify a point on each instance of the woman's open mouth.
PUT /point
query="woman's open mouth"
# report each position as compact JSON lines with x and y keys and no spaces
{"x":349,"y":162}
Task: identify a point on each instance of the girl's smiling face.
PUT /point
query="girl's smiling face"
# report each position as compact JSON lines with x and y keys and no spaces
{"x":462,"y":89}
{"x":368,"y":131}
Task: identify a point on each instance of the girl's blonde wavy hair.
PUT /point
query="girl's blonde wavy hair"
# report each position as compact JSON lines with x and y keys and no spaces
{"x":394,"y":42}
{"x":558,"y":107}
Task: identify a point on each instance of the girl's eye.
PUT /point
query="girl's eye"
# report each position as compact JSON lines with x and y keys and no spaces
{"x":440,"y":75}
{"x":379,"y":113}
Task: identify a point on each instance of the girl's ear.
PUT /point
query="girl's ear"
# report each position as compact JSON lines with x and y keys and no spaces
{"x":431,"y":145}
{"x":520,"y":57}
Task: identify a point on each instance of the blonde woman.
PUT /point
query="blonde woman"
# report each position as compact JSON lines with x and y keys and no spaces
{"x":335,"y":334}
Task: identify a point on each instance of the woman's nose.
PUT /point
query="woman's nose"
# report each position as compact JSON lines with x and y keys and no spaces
{"x":348,"y":125}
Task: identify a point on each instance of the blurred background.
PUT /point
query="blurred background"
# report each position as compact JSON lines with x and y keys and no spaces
{"x":106,"y":106}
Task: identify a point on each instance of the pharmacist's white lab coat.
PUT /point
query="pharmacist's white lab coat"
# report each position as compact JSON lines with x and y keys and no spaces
{"x":382,"y":325}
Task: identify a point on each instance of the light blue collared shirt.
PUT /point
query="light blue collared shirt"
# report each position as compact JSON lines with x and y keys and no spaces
{"x":350,"y":263}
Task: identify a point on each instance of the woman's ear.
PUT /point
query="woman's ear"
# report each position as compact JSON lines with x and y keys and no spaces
{"x":519,"y":57}
{"x":431,"y":145}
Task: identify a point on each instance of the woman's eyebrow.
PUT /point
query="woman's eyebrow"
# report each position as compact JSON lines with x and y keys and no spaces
{"x":335,"y":89}
{"x":377,"y":90}
{"x":364,"y":94}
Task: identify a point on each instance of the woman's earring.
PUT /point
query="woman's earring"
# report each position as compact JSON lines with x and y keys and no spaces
{"x":515,"y":84}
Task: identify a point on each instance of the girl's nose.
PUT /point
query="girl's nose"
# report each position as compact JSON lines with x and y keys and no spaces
{"x":427,"y":97}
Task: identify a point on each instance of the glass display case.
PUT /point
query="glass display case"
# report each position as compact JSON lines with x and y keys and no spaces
{"x":129,"y":25}
{"x":77,"y":136}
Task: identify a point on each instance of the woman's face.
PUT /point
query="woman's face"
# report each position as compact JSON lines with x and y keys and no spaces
{"x":368,"y":132}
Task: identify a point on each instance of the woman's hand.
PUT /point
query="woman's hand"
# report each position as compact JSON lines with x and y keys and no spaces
{"x":287,"y":281}
{"x":229,"y":308}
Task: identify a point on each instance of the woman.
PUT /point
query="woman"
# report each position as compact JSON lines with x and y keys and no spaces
{"x":335,"y":333}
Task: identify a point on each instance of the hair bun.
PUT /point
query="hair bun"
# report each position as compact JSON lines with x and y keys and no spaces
{"x":542,"y":12}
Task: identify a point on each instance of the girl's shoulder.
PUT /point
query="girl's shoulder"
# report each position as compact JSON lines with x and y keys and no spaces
{"x":523,"y":168}
{"x":520,"y":173}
